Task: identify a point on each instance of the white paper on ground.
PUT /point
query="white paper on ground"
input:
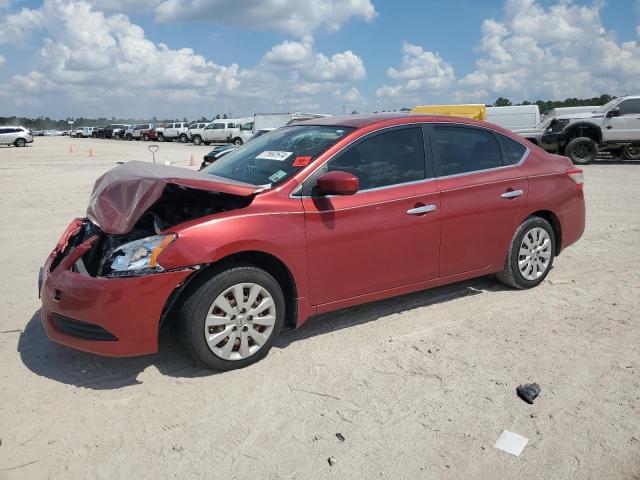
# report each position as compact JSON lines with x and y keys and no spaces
{"x":511,"y":443}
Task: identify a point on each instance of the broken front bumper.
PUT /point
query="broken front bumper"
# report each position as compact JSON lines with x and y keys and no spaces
{"x":107,"y":316}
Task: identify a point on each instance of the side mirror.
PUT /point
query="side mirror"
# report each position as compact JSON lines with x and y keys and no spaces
{"x":614,"y":112}
{"x":338,"y":183}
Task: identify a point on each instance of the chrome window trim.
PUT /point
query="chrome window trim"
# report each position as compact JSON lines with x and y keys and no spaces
{"x":421,"y":124}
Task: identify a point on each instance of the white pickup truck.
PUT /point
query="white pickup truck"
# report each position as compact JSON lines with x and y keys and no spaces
{"x":222,"y":131}
{"x":173,"y":131}
{"x":614,"y":126}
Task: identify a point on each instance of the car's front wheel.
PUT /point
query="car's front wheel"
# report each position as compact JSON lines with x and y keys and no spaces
{"x":232,"y":319}
{"x":160,"y":137}
{"x":582,"y":150}
{"x":531,"y":254}
{"x":20,"y":142}
{"x":197,"y":140}
{"x":184,"y":138}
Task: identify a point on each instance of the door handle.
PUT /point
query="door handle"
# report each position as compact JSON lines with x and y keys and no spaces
{"x":609,"y":127}
{"x":512,"y":194}
{"x":421,"y":210}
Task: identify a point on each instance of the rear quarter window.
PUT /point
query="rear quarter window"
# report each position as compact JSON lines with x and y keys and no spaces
{"x":514,"y":150}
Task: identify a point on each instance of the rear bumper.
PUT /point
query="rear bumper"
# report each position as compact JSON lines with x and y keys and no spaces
{"x":107,"y":316}
{"x":573,"y":221}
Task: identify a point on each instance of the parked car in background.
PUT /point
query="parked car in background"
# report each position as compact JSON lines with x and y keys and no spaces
{"x":98,"y":132}
{"x":147,"y":133}
{"x":218,"y":152}
{"x":135,"y":131}
{"x":173,"y":131}
{"x":195,"y":132}
{"x":288,"y":226}
{"x":515,"y":116}
{"x":220,"y":131}
{"x":17,"y":136}
{"x":614,"y":127}
{"x":112,"y":130}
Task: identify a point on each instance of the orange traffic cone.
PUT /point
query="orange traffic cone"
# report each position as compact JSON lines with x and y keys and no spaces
{"x":90,"y":152}
{"x":70,"y":148}
{"x":193,"y":162}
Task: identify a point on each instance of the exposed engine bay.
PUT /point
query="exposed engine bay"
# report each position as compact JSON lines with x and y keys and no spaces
{"x":177,"y":204}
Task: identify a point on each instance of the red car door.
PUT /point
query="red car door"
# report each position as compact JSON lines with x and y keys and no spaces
{"x":388,"y":234}
{"x":483,"y":195}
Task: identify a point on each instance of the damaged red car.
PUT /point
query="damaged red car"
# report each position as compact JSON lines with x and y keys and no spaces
{"x":310,"y":218}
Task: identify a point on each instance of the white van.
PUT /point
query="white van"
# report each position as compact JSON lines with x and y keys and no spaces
{"x":516,"y":116}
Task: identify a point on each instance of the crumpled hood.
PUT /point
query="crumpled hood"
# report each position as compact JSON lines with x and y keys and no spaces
{"x":122,"y":195}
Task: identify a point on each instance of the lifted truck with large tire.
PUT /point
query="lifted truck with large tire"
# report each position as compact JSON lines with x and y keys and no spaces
{"x":613,"y":127}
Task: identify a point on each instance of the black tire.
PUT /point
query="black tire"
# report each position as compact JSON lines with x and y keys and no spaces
{"x":184,"y":138}
{"x":194,"y":309}
{"x":20,"y":142}
{"x":145,"y":137}
{"x":129,"y":136}
{"x":160,"y":137}
{"x":631,"y":152}
{"x":511,"y":274}
{"x":237,"y":141}
{"x":582,"y":150}
{"x":197,"y":140}
{"x":207,"y":143}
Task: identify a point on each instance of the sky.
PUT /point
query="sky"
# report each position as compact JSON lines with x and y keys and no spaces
{"x":193,"y":58}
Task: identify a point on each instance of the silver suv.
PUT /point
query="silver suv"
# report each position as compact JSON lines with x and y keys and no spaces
{"x":18,"y":136}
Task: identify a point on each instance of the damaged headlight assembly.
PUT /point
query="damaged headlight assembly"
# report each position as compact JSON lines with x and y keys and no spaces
{"x":139,"y":257}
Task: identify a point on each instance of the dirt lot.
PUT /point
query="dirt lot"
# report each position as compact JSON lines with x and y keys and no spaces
{"x":420,"y":386}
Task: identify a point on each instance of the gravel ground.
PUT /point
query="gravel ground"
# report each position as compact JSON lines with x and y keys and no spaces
{"x":420,"y":386}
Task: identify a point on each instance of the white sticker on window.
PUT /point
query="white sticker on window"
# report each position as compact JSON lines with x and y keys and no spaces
{"x":274,"y":155}
{"x":277,"y":176}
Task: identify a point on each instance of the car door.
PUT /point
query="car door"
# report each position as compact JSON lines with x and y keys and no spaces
{"x":483,"y":196}
{"x":4,"y":136}
{"x":385,"y":236}
{"x":626,"y":124}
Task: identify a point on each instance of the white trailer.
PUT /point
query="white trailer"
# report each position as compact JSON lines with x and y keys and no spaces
{"x":516,"y":116}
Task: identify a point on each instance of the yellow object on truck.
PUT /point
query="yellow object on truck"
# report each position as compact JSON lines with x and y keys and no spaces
{"x":477,"y":112}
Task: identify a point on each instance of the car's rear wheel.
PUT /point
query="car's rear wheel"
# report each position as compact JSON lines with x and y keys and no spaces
{"x":237,"y":141}
{"x":160,"y":137}
{"x":582,"y":150}
{"x":20,"y":142}
{"x":197,"y":140}
{"x":145,"y":137}
{"x":531,"y":254}
{"x":231,"y":320}
{"x":631,"y":152}
{"x":184,"y":138}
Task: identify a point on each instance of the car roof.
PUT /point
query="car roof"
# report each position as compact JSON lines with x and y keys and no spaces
{"x":363,"y":120}
{"x":397,"y":118}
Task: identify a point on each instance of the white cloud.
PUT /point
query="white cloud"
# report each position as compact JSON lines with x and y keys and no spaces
{"x":16,"y":27}
{"x":310,"y":66}
{"x":534,"y":52}
{"x":297,"y":17}
{"x":421,"y":72}
{"x":87,"y":56}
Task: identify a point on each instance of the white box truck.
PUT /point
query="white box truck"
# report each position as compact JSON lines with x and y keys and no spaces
{"x":516,"y":116}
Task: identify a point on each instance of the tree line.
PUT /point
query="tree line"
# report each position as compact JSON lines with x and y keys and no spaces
{"x":547,"y":105}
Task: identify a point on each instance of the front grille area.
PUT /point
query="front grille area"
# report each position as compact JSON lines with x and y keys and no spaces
{"x":80,"y":329}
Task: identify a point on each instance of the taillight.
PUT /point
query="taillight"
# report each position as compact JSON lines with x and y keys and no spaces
{"x":577,"y":176}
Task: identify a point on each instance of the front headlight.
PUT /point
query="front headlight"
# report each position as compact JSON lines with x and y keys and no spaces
{"x":140,"y":256}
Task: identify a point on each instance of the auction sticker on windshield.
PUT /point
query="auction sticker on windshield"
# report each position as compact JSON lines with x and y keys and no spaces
{"x":277,"y":176}
{"x":274,"y":155}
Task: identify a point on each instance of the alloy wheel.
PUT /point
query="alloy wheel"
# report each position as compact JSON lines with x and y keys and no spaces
{"x":240,"y":321}
{"x":535,"y":253}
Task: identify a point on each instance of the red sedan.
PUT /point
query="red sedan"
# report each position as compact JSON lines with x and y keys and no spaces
{"x":310,"y":218}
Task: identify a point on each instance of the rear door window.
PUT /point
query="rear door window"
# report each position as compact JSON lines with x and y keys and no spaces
{"x":464,"y":149}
